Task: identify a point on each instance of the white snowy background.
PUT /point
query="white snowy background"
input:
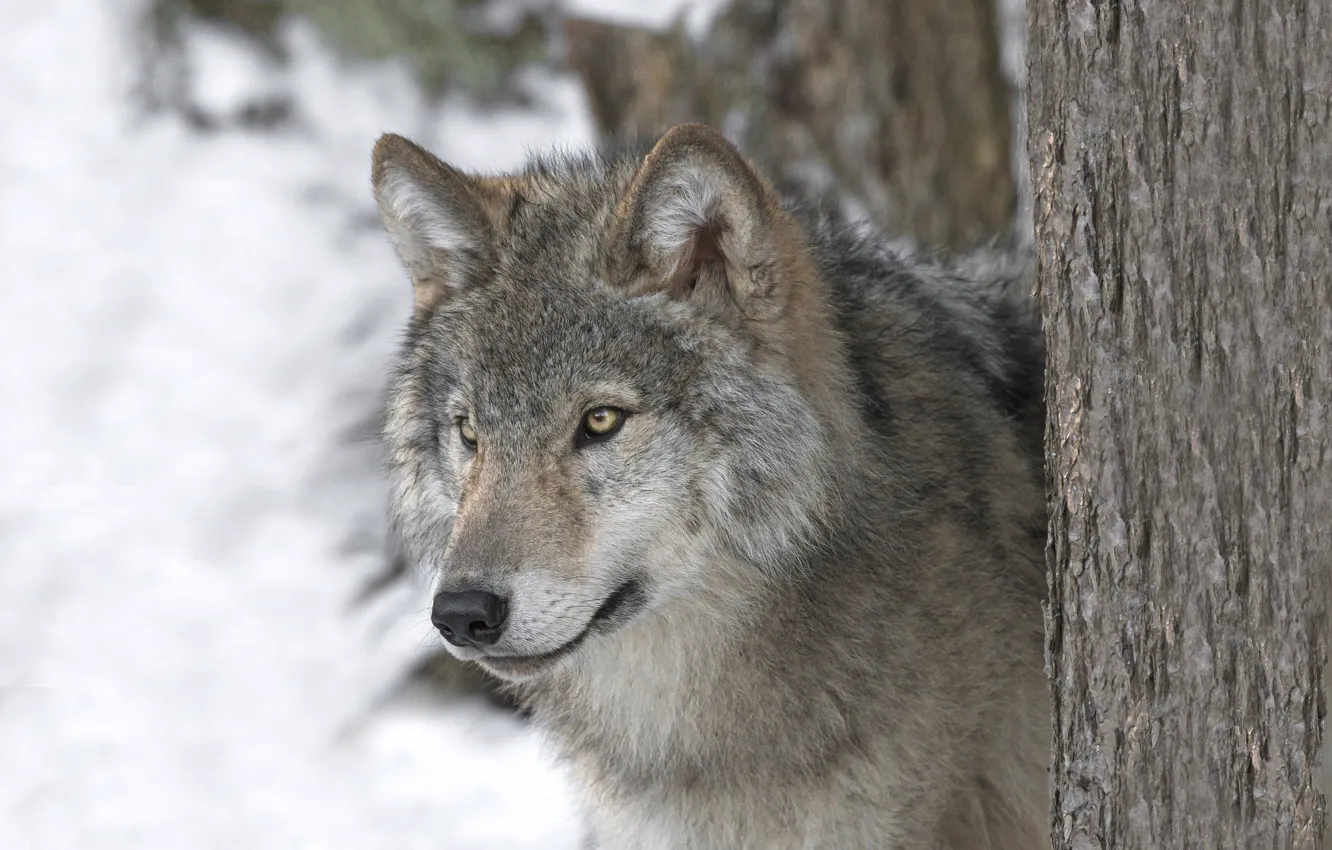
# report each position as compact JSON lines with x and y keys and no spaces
{"x":191,"y":324}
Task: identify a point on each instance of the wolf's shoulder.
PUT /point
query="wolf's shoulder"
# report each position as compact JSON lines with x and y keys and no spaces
{"x":973,"y":312}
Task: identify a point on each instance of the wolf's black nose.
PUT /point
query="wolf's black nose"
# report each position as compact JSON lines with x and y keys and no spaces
{"x":469,"y":618}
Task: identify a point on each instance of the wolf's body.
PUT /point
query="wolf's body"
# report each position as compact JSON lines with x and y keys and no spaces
{"x":794,"y":600}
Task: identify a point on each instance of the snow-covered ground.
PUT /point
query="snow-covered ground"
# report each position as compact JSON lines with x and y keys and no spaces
{"x":189,"y":324}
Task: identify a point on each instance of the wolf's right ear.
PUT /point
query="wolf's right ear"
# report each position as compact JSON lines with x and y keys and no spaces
{"x":698,"y":223}
{"x":441,"y":220}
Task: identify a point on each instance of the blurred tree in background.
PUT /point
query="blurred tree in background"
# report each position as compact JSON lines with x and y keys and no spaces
{"x":899,"y":108}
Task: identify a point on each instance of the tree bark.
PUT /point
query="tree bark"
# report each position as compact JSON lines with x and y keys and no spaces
{"x":1183,"y":217}
{"x":898,"y":107}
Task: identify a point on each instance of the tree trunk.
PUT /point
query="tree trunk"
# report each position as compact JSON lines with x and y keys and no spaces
{"x":898,"y":106}
{"x":1183,"y":210}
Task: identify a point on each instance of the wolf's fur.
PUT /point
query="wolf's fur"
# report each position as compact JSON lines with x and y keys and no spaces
{"x":821,"y":526}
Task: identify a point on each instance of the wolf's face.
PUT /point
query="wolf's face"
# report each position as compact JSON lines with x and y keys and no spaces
{"x":596,"y":401}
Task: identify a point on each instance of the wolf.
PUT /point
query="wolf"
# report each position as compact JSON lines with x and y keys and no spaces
{"x":744,"y":502}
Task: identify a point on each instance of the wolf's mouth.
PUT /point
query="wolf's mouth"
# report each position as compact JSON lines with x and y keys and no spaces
{"x":616,"y":610}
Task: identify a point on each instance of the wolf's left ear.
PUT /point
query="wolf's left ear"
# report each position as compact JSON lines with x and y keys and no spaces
{"x":442,"y":221}
{"x":700,"y":222}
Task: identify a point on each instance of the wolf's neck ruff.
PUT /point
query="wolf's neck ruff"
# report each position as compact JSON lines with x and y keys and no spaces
{"x":789,"y":597}
{"x":663,"y":696}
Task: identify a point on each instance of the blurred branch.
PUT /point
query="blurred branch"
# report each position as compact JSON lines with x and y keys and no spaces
{"x":475,"y":47}
{"x":449,"y":43}
{"x":638,"y":81}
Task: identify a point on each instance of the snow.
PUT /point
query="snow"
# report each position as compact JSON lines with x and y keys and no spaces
{"x":696,"y":15}
{"x":190,"y":323}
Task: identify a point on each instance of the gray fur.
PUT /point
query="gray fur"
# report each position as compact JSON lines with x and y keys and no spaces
{"x":826,"y":503}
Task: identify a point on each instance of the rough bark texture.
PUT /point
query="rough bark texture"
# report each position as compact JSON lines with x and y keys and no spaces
{"x":1183,"y":212}
{"x":897,"y":106}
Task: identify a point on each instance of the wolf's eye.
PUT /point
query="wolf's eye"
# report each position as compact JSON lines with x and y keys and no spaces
{"x":598,"y":424}
{"x":467,"y":433}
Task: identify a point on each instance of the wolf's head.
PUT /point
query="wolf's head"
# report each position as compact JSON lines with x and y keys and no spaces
{"x":619,"y":376}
